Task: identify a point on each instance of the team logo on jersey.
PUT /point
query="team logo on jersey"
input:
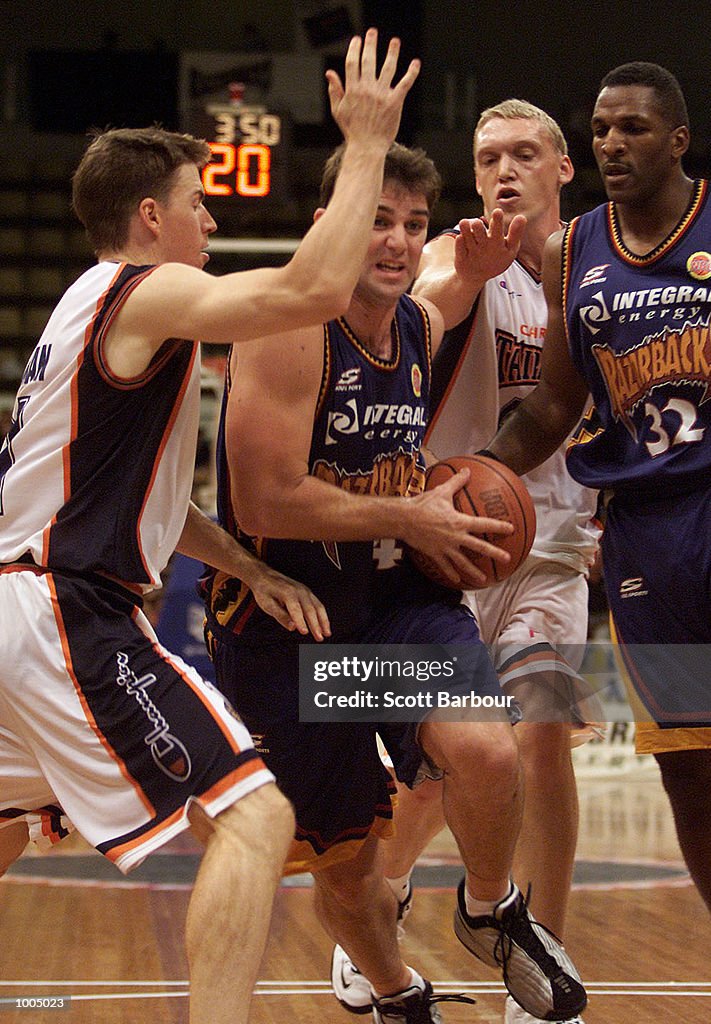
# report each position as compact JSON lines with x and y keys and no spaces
{"x":595,"y":275}
{"x":595,"y":313}
{"x":349,"y":379}
{"x":519,"y":362}
{"x":166,"y":749}
{"x":416,"y":378}
{"x":671,"y":357}
{"x":633,"y":587}
{"x":509,"y":291}
{"x":699,"y":265}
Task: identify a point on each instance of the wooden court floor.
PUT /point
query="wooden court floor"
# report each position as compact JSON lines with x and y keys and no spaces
{"x":637,"y":930}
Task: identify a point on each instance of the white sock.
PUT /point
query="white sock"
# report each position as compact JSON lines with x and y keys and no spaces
{"x":400,"y":885}
{"x":416,"y":980}
{"x":478,"y":908}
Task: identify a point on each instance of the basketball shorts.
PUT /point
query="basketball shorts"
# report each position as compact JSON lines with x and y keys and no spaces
{"x":535,"y":624}
{"x":332,"y":771}
{"x":98,"y":722}
{"x":657,"y":569}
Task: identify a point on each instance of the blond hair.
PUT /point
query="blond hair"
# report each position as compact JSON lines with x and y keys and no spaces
{"x":510,"y":110}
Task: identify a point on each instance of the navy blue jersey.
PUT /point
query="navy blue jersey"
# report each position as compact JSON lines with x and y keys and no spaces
{"x":369,"y":425}
{"x":638,"y":331}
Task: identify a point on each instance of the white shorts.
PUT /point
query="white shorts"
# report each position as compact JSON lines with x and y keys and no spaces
{"x":535,"y":624}
{"x":98,"y":722}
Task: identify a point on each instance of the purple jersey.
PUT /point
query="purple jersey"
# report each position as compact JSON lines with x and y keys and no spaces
{"x":639,"y":334}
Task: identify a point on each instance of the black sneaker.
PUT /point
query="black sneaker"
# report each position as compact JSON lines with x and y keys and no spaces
{"x":413,"y":1006}
{"x":537,"y":971}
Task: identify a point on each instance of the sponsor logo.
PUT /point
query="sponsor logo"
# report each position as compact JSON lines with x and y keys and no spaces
{"x":387,"y":418}
{"x":595,"y":275}
{"x":342,"y":422}
{"x":167,"y":751}
{"x":596,"y":313}
{"x":633,"y":587}
{"x":349,"y":380}
{"x":699,"y":265}
{"x":509,"y":291}
{"x":416,"y":378}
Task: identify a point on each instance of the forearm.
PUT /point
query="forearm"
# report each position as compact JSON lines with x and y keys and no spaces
{"x":453,"y":295}
{"x":534,"y":430}
{"x":205,"y":541}
{"x":317,"y":510}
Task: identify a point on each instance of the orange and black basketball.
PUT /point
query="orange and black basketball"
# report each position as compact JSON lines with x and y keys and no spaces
{"x":494,"y":491}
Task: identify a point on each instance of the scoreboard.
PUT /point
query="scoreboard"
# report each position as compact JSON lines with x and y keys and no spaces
{"x":248,"y":154}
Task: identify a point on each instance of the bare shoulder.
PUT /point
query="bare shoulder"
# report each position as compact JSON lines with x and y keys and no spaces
{"x":438,"y":253}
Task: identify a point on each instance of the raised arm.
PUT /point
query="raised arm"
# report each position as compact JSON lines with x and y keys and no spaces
{"x":268,"y":432}
{"x":316,"y":285}
{"x":540,"y":424}
{"x":454,"y":268}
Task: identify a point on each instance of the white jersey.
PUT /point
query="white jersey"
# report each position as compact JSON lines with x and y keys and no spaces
{"x":484,"y":368}
{"x":96,"y":471}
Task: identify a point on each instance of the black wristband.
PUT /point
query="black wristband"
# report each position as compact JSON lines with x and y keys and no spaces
{"x":489,"y":455}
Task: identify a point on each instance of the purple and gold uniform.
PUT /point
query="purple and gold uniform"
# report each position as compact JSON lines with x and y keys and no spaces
{"x":639,"y":331}
{"x":369,"y":424}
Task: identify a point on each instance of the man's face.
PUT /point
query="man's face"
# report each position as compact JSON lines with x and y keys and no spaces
{"x":398,"y":237}
{"x":634,"y":146}
{"x":518,"y":168}
{"x":185,"y":222}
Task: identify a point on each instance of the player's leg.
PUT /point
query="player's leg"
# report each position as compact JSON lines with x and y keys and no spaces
{"x":545,"y":851}
{"x":419,"y":817}
{"x":686,"y":775}
{"x":358,"y":910}
{"x":230,"y":908}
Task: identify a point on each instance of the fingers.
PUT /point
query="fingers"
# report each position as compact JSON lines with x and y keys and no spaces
{"x":369,"y":58}
{"x":455,"y":483}
{"x":308,"y":614}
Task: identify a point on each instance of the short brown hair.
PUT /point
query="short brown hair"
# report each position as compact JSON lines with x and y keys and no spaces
{"x":121,"y":167}
{"x":512,"y":110}
{"x":410,"y":168}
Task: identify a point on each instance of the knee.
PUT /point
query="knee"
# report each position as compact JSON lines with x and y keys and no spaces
{"x":477,"y":750}
{"x":261,"y":820}
{"x":544,"y":746}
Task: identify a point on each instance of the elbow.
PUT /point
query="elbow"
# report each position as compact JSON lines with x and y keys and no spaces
{"x":257,"y":518}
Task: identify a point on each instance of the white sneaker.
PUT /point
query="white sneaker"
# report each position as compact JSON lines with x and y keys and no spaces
{"x":515,"y":1014}
{"x":350,"y":987}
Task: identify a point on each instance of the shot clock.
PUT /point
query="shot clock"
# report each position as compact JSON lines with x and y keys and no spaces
{"x":246,"y":147}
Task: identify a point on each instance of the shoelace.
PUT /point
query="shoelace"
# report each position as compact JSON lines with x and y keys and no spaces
{"x":518,"y":919}
{"x":419,"y":1013}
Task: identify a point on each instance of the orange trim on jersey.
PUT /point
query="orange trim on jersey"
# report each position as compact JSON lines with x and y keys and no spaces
{"x":199,"y":693}
{"x":565,"y":259}
{"x":697,"y":198}
{"x":381,"y":364}
{"x":82,"y":700}
{"x":177,"y":406}
{"x":453,"y":379}
{"x":226,"y":783}
{"x":74,"y":429}
{"x":326,"y":373}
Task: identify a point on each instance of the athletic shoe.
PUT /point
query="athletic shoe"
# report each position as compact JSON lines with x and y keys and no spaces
{"x":537,"y":971}
{"x":413,"y":1006}
{"x":516,"y":1015}
{"x":350,"y":987}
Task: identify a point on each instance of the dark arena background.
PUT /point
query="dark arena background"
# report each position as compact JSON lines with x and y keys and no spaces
{"x":249,"y":77}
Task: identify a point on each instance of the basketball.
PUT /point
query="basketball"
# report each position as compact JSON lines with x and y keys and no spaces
{"x":494,"y":491}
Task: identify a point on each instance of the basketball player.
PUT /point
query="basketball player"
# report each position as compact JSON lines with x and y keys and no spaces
{"x":321,"y":442}
{"x":630,"y":322}
{"x":96,"y":718}
{"x":489,"y":360}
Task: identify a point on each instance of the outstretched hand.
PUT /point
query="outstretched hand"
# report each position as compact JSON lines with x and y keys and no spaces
{"x":292,"y":604}
{"x":368,"y":108}
{"x":483,"y":249}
